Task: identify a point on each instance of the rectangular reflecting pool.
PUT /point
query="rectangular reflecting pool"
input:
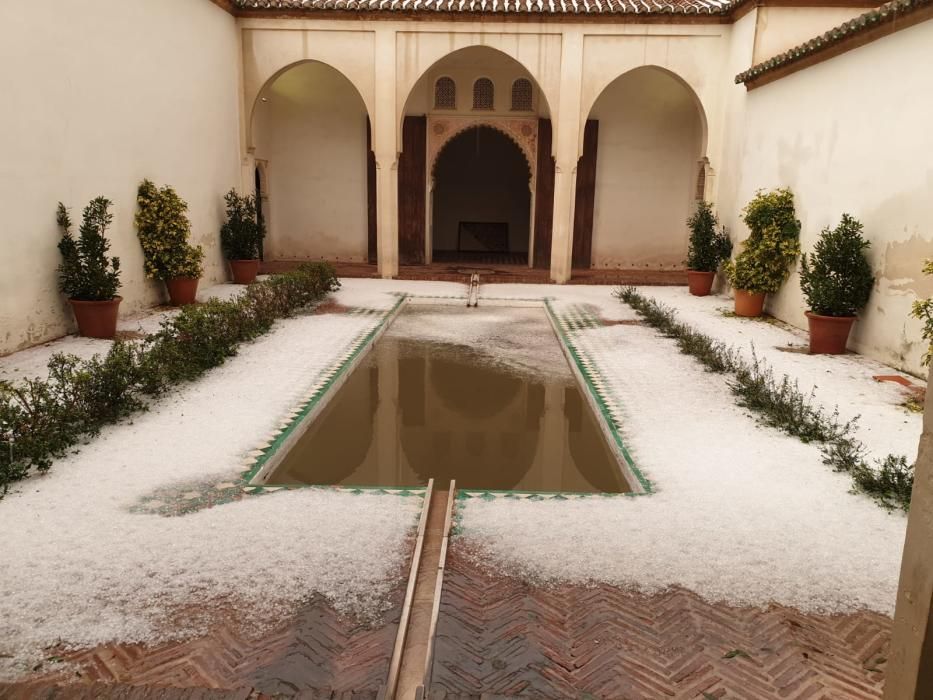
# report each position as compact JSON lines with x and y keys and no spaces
{"x":483,"y":396}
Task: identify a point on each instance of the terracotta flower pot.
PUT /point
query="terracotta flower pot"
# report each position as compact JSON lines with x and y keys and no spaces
{"x":96,"y":319}
{"x":244,"y":271}
{"x":182,"y":290}
{"x":749,"y":304}
{"x":829,"y":335}
{"x":700,"y":283}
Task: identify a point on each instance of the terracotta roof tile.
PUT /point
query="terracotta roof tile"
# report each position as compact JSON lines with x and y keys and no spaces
{"x":887,"y":13}
{"x":499,"y":6}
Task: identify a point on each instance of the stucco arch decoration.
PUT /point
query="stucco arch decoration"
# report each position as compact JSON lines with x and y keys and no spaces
{"x":694,"y":95}
{"x":522,"y":132}
{"x":431,"y":53}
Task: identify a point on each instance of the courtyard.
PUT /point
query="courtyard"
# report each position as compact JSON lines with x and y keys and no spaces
{"x":148,"y":558}
{"x":429,"y":350}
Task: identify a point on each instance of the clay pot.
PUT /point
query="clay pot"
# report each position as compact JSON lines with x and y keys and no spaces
{"x":749,"y":304}
{"x":829,"y":335}
{"x":700,"y":283}
{"x":182,"y":290}
{"x":244,"y":271}
{"x":96,"y":319}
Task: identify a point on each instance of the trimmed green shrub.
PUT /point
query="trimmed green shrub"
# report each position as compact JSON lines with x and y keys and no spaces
{"x":242,"y":233}
{"x":781,"y":404}
{"x":837,"y":280}
{"x":923,"y":310}
{"x":772,"y":246}
{"x":41,"y":419}
{"x":708,"y":247}
{"x":163,"y":229}
{"x":86,"y":273}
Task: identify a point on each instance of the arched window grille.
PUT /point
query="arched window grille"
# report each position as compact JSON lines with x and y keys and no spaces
{"x":521,"y":95}
{"x":483,"y":94}
{"x":445,"y":94}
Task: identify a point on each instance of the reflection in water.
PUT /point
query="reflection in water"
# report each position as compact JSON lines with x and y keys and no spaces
{"x":418,"y":409}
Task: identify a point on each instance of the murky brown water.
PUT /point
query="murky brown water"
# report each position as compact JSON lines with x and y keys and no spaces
{"x":502,"y":413}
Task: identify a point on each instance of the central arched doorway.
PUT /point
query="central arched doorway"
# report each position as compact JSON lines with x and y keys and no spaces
{"x":481,"y":200}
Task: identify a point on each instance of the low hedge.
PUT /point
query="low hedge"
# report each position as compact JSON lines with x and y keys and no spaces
{"x":781,"y":404}
{"x":41,"y":419}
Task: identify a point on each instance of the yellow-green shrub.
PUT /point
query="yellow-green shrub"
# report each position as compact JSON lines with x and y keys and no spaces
{"x":772,"y":246}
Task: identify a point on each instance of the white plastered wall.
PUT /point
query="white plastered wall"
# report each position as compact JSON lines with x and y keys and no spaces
{"x":98,"y":96}
{"x":851,"y":134}
{"x":650,"y":136}
{"x":309,"y":126}
{"x":780,"y":29}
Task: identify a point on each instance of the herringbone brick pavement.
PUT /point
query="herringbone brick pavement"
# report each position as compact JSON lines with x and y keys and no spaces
{"x":318,"y":653}
{"x":500,"y":636}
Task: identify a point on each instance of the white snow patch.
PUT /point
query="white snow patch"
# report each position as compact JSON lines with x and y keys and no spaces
{"x":843,"y":381}
{"x":33,"y":362}
{"x":742,"y":514}
{"x":79,"y":568}
{"x":516,"y":338}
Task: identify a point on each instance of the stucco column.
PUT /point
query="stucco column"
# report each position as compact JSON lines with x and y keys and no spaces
{"x":566,"y":153}
{"x":385,"y":145}
{"x":248,"y":172}
{"x":910,"y":665}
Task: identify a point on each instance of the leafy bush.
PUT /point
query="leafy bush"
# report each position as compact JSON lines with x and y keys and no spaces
{"x":708,"y":247}
{"x":839,"y":281}
{"x":780,"y":404}
{"x":923,"y":310}
{"x":41,"y":419}
{"x":86,"y":273}
{"x":772,"y":246}
{"x":163,"y":229}
{"x":242,"y":233}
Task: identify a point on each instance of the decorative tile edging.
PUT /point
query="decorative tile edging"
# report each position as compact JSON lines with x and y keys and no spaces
{"x":601,"y":397}
{"x":328,"y":381}
{"x":566,"y":323}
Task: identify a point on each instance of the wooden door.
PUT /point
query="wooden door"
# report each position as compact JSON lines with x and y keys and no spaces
{"x":372,"y":251}
{"x":585,"y":198}
{"x":411,"y":191}
{"x":544,"y":197}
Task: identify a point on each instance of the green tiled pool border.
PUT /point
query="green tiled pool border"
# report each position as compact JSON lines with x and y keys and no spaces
{"x":606,"y":401}
{"x":261,"y":456}
{"x":565,"y":324}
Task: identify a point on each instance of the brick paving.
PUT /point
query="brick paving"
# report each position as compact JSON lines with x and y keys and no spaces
{"x":492,"y":273}
{"x":501,"y":637}
{"x":318,"y":654}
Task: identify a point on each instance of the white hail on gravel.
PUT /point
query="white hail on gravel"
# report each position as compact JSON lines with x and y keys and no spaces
{"x":843,"y":381}
{"x":81,"y":569}
{"x":742,"y":514}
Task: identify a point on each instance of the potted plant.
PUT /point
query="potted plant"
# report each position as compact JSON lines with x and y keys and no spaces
{"x":769,"y":251}
{"x":241,"y":237}
{"x":708,"y":248}
{"x":837,"y":281}
{"x":86,"y":275}
{"x":163,"y":229}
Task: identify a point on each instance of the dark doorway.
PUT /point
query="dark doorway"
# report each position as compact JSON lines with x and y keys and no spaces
{"x":482,"y":204}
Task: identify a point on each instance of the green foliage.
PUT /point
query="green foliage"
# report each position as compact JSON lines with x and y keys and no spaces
{"x":837,"y":280}
{"x":772,"y":246}
{"x":242,"y":233}
{"x":781,"y":404}
{"x":41,"y":419}
{"x":163,"y":229}
{"x":708,"y":247}
{"x":86,"y":273}
{"x":923,"y":310}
